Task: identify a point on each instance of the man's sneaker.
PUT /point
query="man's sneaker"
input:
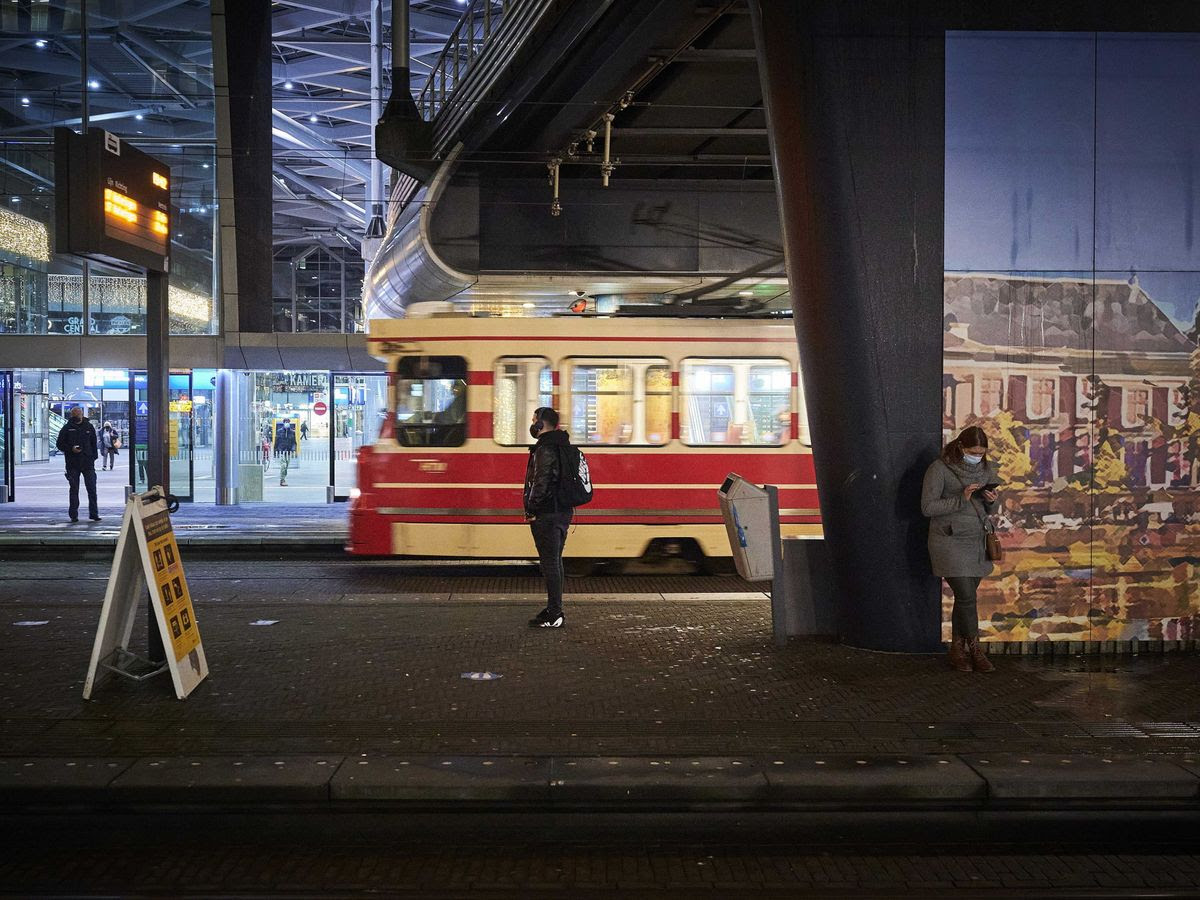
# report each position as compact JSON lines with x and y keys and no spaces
{"x":545,"y":620}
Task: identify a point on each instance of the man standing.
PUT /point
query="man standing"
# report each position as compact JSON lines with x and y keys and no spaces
{"x":78,"y":445}
{"x":548,"y":519}
{"x":285,"y":446}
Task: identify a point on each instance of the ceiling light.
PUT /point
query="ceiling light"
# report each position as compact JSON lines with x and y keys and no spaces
{"x":312,"y":118}
{"x":204,"y":165}
{"x":745,"y":293}
{"x":93,"y":84}
{"x":24,"y":101}
{"x":139,"y":117}
{"x":39,"y":44}
{"x":528,"y":305}
{"x":287,"y":85}
{"x":16,"y":199}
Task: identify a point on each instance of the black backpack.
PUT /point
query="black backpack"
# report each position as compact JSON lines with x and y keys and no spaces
{"x":574,"y":481}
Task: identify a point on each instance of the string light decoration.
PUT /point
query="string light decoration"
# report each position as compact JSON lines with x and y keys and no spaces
{"x":23,"y":236}
{"x":191,"y":313}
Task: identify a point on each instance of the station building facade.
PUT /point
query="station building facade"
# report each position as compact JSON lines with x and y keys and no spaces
{"x":72,"y":333}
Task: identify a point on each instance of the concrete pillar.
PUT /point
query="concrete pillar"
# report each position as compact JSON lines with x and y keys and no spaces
{"x":226,"y":433}
{"x":242,"y":78}
{"x":855,"y":100}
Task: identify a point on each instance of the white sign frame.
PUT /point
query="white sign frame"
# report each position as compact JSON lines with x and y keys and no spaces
{"x":127,"y":590}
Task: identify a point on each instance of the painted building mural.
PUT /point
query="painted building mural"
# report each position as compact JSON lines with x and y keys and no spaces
{"x":1072,"y":320}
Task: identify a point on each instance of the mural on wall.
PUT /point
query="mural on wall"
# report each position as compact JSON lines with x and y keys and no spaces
{"x":1072,"y":323}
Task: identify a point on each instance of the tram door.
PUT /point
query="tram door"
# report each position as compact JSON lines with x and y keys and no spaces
{"x":7,"y":451}
{"x":179,"y":433}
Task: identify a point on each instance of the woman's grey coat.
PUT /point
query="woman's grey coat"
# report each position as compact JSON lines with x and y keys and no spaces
{"x":957,"y":545}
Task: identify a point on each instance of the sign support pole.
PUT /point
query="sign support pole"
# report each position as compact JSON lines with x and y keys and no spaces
{"x":158,"y":373}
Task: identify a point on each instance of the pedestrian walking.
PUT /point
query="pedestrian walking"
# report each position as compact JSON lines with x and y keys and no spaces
{"x":552,"y":491}
{"x":959,"y":497}
{"x":285,"y":446}
{"x":78,"y":444}
{"x":110,"y":443}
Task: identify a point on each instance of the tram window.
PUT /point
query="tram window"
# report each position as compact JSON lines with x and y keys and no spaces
{"x":431,"y":401}
{"x":521,"y":385}
{"x":742,"y":402}
{"x":620,"y":401}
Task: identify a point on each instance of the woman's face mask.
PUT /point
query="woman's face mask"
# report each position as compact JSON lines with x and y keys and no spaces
{"x":971,"y":459}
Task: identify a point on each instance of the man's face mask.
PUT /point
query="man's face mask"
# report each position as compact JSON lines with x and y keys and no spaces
{"x":535,"y":428}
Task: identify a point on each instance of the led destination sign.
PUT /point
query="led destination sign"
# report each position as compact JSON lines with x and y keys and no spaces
{"x":113,"y":201}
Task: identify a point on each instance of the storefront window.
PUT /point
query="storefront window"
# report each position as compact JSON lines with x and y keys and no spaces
{"x":359,"y":409}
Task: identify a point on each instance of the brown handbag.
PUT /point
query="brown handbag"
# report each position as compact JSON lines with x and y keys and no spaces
{"x":994,"y":551}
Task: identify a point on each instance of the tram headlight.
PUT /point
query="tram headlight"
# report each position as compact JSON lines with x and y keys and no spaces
{"x":355,"y":493}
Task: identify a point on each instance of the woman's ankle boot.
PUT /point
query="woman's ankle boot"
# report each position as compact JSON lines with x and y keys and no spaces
{"x":979,"y":660}
{"x":957,"y":658}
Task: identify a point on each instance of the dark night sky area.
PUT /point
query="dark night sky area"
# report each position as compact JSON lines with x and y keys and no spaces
{"x":1070,"y":153}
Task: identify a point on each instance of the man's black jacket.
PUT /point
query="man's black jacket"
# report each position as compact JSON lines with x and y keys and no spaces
{"x":80,"y":434}
{"x":542,"y":472}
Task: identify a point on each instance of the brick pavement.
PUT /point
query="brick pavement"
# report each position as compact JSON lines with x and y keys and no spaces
{"x":522,"y":868}
{"x":368,"y":659}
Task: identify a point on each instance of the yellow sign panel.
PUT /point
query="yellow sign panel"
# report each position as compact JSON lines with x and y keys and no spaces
{"x":181,"y":405}
{"x":170,"y":584}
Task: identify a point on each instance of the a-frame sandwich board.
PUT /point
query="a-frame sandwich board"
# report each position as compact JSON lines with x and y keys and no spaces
{"x":147,"y":555}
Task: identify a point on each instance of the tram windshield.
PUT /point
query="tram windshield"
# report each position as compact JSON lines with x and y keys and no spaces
{"x":431,"y":401}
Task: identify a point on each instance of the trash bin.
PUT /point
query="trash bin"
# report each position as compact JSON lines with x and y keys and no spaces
{"x":798,"y":568}
{"x":746,"y":508}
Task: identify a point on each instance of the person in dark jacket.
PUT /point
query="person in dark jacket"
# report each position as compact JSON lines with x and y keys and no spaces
{"x":955,"y":498}
{"x":547,"y":520}
{"x":80,"y":448}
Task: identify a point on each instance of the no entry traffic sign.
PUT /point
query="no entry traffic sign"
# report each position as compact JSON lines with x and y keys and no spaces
{"x":319,"y":408}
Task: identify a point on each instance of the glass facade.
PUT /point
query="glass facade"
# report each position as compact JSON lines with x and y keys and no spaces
{"x":146,"y":76}
{"x":318,"y":289}
{"x":298,"y":443}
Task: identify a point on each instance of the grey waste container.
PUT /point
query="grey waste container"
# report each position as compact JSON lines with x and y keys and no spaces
{"x":746,"y":508}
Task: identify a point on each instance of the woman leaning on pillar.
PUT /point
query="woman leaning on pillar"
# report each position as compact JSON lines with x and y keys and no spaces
{"x":957,"y":500}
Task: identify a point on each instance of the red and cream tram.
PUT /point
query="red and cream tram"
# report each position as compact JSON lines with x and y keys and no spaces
{"x":664,"y":409}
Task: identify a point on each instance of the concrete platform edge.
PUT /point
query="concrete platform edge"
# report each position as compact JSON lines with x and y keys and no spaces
{"x":814,"y":782}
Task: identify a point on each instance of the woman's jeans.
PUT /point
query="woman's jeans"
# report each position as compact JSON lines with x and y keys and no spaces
{"x":549,"y":536}
{"x":964,"y":620}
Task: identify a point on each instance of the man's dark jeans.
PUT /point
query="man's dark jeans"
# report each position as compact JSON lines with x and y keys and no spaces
{"x":550,"y":536}
{"x":89,"y":482}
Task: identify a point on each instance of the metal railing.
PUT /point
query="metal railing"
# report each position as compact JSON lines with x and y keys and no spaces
{"x":470,"y":36}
